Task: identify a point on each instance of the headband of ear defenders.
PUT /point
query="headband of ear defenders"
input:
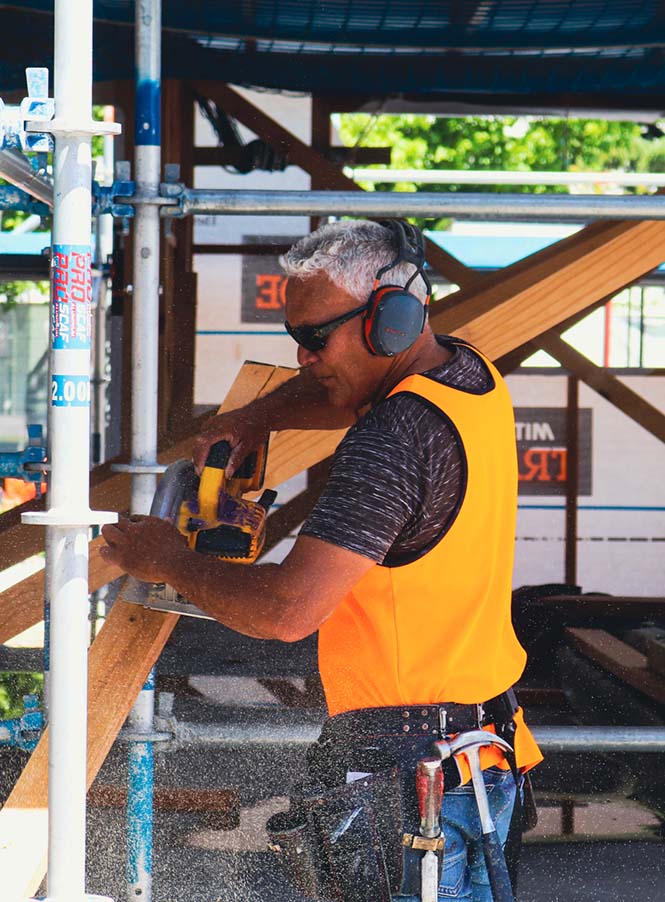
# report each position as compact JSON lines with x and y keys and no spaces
{"x":410,"y":249}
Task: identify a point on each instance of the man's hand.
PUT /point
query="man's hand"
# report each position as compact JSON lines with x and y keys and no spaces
{"x":243,"y":433}
{"x":146,"y":547}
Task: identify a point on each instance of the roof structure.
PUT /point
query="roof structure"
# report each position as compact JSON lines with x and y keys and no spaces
{"x":456,"y":56}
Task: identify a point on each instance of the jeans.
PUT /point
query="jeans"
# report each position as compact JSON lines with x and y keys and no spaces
{"x":464,"y":874}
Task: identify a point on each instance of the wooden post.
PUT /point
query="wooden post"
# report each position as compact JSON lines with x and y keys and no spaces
{"x":572,"y":478}
{"x":320,"y":141}
{"x":178,"y":303}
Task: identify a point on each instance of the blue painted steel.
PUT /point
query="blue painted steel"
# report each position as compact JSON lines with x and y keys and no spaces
{"x":104,"y":198}
{"x":147,"y":121}
{"x":12,"y":198}
{"x":388,"y":45}
{"x":140,"y":807}
{"x":391,"y":23}
{"x":591,"y":507}
{"x":139,"y":811}
{"x":12,"y":463}
{"x":23,"y":732}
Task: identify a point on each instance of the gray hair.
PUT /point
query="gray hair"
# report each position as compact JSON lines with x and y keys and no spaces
{"x":351,"y":253}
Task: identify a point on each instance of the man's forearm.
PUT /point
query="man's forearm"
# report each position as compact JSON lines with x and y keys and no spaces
{"x":246,"y":599}
{"x":300,"y":403}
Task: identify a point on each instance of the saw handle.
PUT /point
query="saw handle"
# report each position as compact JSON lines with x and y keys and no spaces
{"x":218,"y":455}
{"x":248,"y":477}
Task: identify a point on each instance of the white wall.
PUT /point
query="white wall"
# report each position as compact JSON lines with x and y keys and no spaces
{"x":621,"y":525}
{"x":220,"y":355}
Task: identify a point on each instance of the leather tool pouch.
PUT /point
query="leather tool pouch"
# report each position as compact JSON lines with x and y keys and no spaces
{"x":343,"y":844}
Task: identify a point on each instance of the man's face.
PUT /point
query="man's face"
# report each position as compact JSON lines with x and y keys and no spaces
{"x":344,"y":366}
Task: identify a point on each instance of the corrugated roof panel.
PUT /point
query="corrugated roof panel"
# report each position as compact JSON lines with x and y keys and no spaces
{"x":600,"y":49}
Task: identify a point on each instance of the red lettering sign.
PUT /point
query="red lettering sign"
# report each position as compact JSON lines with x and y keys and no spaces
{"x":271,"y":292}
{"x":543,"y":465}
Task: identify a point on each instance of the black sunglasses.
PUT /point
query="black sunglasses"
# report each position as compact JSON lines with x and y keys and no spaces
{"x":314,"y":338}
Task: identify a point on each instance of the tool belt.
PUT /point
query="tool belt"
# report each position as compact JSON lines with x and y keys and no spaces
{"x":343,"y":841}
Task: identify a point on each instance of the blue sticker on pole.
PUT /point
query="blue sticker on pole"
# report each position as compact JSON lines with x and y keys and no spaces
{"x":148,"y":111}
{"x":70,"y":391}
{"x":71,"y":310}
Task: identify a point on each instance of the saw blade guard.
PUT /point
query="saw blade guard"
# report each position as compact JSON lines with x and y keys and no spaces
{"x":178,"y":483}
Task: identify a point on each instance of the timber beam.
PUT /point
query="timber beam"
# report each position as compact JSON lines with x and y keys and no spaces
{"x":607,"y":385}
{"x":510,"y":307}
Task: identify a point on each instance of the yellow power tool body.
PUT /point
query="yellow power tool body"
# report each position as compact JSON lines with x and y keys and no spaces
{"x":217,"y":519}
{"x":212,"y":514}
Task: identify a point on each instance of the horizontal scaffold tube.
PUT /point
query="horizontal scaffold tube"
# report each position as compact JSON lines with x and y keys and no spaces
{"x":491,"y":205}
{"x":305,"y":730}
{"x":17,"y":170}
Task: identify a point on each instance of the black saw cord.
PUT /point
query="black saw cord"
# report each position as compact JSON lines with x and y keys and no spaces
{"x":255,"y":154}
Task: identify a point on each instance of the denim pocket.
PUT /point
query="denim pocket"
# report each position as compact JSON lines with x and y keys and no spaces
{"x":455,"y":880}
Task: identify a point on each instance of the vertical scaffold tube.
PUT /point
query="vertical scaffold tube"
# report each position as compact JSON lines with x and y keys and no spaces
{"x":69,"y":517}
{"x":145,"y":336}
{"x":71,"y":268}
{"x":71,"y":274}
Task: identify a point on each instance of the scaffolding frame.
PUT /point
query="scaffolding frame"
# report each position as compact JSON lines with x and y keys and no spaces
{"x":69,"y":516}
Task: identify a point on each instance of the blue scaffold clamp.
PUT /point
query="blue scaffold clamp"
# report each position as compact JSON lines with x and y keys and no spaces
{"x":35,"y":108}
{"x":25,"y":464}
{"x":114,"y":198}
{"x":23,"y":732}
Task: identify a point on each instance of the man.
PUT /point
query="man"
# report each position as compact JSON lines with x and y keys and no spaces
{"x":404,"y":566}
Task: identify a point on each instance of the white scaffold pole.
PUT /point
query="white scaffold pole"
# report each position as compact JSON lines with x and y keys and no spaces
{"x":69,"y":516}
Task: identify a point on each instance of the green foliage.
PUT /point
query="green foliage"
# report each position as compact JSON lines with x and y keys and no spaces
{"x":10,"y":292}
{"x":13,"y":686}
{"x":498,"y":142}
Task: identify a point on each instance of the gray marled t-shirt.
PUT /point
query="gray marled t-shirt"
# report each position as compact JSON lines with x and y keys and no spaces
{"x":398,"y":475}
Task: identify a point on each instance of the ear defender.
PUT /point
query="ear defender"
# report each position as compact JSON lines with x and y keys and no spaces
{"x":395,"y":317}
{"x":393,"y":321}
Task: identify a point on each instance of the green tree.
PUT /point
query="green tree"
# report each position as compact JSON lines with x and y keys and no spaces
{"x":13,"y":686}
{"x":498,"y":142}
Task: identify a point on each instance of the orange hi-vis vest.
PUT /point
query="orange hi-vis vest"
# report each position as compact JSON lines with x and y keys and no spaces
{"x":438,"y":628}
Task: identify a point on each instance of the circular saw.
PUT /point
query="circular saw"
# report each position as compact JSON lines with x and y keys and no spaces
{"x":212,"y":514}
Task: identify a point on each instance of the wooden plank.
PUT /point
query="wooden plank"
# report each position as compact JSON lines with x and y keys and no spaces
{"x":22,"y":605}
{"x":620,"y":659}
{"x":573,"y":478}
{"x":508,"y":308}
{"x":607,"y":386}
{"x":656,"y":655}
{"x":179,"y":282}
{"x":510,"y":361}
{"x":505,"y":310}
{"x":341,"y":156}
{"x":224,"y":802}
{"x":120,"y":659}
{"x":286,"y":518}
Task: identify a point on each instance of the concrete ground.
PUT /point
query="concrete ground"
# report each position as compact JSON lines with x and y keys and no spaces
{"x":614,"y":853}
{"x":188,"y":867}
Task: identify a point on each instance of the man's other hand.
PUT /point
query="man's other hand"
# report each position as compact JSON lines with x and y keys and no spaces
{"x":145,"y":547}
{"x":239,"y":429}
